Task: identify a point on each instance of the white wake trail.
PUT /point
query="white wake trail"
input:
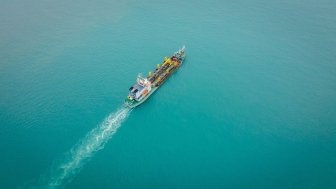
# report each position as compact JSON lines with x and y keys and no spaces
{"x":85,"y":149}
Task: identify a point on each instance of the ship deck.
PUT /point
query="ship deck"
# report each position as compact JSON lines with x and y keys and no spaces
{"x":161,"y":74}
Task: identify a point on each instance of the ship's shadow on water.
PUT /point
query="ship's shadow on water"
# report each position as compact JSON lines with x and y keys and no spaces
{"x":64,"y":170}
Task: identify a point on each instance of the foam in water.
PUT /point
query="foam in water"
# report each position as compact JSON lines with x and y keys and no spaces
{"x":85,"y":149}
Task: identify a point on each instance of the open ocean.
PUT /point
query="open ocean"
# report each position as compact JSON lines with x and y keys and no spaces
{"x":253,"y":105}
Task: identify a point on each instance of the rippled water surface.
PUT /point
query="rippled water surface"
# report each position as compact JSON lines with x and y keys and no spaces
{"x":253,"y":106}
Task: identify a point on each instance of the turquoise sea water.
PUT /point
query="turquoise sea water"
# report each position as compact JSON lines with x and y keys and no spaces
{"x":253,"y":106}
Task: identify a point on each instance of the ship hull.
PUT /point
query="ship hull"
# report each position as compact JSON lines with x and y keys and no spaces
{"x":161,"y":75}
{"x":134,"y":103}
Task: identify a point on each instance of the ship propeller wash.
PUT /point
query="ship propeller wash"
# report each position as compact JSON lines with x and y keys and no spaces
{"x":146,"y":86}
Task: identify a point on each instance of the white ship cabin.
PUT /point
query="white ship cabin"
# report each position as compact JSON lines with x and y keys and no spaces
{"x":139,"y":89}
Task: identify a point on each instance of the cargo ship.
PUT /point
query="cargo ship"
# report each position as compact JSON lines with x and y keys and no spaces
{"x":146,"y":86}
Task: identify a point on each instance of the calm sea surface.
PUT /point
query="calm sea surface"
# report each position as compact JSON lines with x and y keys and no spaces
{"x":253,"y":106}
